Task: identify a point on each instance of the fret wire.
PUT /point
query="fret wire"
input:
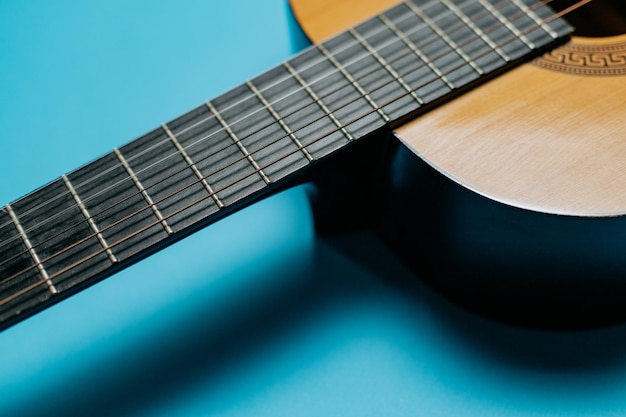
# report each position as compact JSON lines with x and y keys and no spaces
{"x":538,"y":21}
{"x":478,"y":31}
{"x":230,"y":185}
{"x":31,"y":250}
{"x":391,"y":42}
{"x":192,"y":165}
{"x":202,"y":198}
{"x":6,"y":300}
{"x":429,"y":81}
{"x":350,"y":78}
{"x":179,"y":171}
{"x":278,"y":81}
{"x":324,"y":96}
{"x":318,"y":100}
{"x":143,"y":191}
{"x":236,"y":140}
{"x":311,"y":65}
{"x":434,"y":26}
{"x":90,"y":221}
{"x":507,"y":24}
{"x":389,"y":24}
{"x":428,"y":5}
{"x":314,"y":63}
{"x":385,"y":64}
{"x":280,"y":121}
{"x":408,"y":42}
{"x":164,"y":198}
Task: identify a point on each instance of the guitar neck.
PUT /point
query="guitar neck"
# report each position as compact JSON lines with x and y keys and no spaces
{"x":253,"y":139}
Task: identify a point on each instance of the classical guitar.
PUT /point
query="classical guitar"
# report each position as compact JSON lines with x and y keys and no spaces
{"x":520,"y":144}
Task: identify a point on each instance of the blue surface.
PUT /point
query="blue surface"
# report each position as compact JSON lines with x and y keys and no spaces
{"x":255,"y":315}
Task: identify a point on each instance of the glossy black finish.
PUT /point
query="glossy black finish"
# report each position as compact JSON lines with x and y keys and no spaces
{"x":513,"y":265}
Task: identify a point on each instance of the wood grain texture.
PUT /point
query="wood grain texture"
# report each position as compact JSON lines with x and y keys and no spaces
{"x":534,"y":138}
{"x":321,"y":19}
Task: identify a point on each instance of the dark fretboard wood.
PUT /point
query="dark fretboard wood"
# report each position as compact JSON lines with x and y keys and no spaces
{"x":226,"y":152}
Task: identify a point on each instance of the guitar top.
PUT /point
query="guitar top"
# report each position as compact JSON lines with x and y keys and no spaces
{"x":562,"y":154}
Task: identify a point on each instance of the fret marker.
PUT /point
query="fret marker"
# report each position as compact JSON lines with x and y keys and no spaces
{"x":143,"y":191}
{"x":90,"y":221}
{"x":193,"y":166}
{"x":31,"y":251}
{"x":408,"y":42}
{"x":240,"y":145}
{"x":356,"y":85}
{"x":319,"y":102}
{"x":443,"y":35}
{"x":279,"y":119}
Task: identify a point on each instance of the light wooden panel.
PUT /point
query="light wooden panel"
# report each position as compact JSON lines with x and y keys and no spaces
{"x":534,"y":138}
{"x":320,"y":19}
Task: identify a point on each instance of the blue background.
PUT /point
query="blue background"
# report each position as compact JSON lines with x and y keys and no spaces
{"x":256,"y":315}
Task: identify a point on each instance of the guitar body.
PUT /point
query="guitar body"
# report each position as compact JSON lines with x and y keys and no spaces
{"x":511,"y":198}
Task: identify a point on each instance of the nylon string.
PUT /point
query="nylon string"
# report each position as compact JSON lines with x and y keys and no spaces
{"x":253,"y":172}
{"x":212,"y":173}
{"x":233,"y":105}
{"x":32,"y":286}
{"x":299,"y":89}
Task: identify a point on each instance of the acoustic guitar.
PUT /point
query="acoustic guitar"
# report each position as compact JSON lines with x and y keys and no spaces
{"x":520,"y":222}
{"x":400,"y":157}
{"x":549,"y":194}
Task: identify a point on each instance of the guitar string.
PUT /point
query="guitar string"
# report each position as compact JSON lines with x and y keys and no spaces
{"x":180,"y":210}
{"x":189,"y":185}
{"x":108,"y":170}
{"x":299,"y":89}
{"x":119,"y":202}
{"x":4,"y":301}
{"x":316,"y":101}
{"x":88,"y":237}
{"x":195,"y":182}
{"x":233,"y":105}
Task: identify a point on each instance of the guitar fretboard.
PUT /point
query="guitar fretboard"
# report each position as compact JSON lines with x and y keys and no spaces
{"x":193,"y":170}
